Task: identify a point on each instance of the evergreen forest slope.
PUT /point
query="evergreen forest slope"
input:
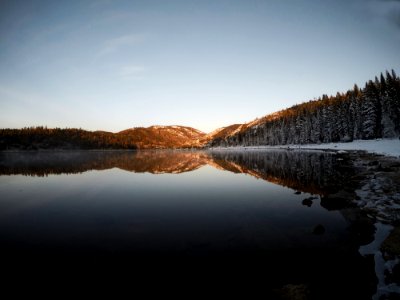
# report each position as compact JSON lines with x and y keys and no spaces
{"x":368,"y":113}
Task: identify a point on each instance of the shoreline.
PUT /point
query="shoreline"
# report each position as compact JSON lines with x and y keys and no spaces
{"x":387,"y":147}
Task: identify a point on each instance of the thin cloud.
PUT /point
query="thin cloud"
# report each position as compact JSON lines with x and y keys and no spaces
{"x":115,"y":44}
{"x":131,"y":72}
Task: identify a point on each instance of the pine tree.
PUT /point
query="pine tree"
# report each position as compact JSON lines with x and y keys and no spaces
{"x":316,"y":128}
{"x":388,"y":128}
{"x":393,"y":99}
{"x":355,"y":111}
{"x":370,"y":112}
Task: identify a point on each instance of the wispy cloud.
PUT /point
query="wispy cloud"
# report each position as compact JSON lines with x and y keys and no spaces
{"x":131,"y":72}
{"x":114,"y":44}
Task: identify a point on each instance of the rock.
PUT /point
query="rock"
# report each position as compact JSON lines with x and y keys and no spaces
{"x":392,"y":243}
{"x":307,"y":202}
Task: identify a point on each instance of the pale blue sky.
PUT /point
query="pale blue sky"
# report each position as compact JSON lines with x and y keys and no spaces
{"x":113,"y":65}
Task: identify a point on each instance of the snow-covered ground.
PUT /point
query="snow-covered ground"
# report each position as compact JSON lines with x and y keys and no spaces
{"x":382,"y":265}
{"x":389,"y":147}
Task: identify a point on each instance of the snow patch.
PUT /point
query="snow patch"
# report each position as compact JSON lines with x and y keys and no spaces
{"x":379,"y":195}
{"x":381,"y":266}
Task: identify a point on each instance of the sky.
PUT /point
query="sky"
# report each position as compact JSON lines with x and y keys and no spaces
{"x":113,"y":65}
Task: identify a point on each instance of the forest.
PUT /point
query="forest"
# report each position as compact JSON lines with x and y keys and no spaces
{"x":368,"y":113}
{"x":36,"y":138}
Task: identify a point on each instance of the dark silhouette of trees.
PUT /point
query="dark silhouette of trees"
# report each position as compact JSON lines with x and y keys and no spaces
{"x":35,"y":138}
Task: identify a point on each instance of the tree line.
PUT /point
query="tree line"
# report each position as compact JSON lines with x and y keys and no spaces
{"x":35,"y":138}
{"x":368,"y":113}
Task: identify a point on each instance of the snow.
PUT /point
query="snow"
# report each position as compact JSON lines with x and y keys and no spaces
{"x":389,"y":147}
{"x":381,"y":266}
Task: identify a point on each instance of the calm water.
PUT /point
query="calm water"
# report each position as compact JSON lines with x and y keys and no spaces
{"x":261,"y":220}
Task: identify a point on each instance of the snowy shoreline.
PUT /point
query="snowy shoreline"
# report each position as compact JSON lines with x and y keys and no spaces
{"x":388,"y":147}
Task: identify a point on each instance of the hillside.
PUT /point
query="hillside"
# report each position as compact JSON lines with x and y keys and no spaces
{"x":162,"y":137}
{"x":368,"y":113}
{"x":219,"y":134}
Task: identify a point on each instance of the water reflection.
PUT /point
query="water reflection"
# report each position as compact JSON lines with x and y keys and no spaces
{"x":268,"y":236}
{"x":312,"y":172}
{"x":47,"y":163}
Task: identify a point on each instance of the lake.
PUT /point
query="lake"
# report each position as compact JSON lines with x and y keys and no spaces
{"x":261,"y":221}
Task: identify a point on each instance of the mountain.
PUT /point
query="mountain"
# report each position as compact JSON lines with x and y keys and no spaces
{"x":162,"y":137}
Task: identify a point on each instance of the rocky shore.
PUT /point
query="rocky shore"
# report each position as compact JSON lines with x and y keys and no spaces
{"x":370,"y":198}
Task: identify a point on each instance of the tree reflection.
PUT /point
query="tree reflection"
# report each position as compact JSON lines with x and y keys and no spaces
{"x":312,"y":172}
{"x":319,"y":173}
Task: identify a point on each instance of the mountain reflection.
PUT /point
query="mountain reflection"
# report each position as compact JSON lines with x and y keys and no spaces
{"x":44,"y":164}
{"x":312,"y":172}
